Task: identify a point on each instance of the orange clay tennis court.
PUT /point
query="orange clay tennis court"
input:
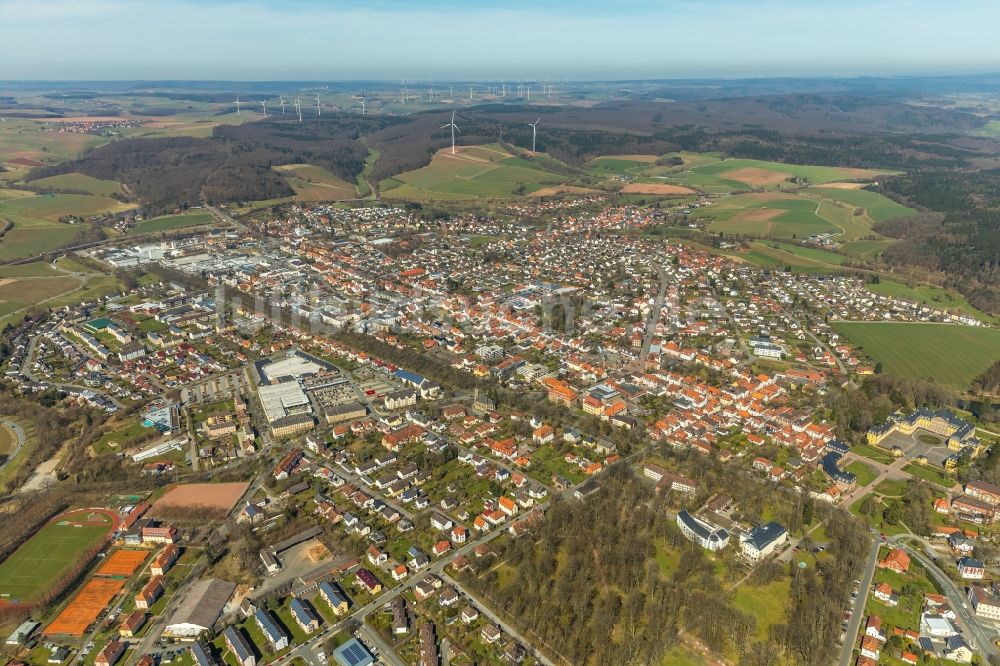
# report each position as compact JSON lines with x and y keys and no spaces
{"x":85,"y":607}
{"x":123,"y":563}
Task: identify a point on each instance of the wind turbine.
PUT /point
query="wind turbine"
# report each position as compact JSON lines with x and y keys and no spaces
{"x":529,"y":93}
{"x":238,"y":107}
{"x":453,"y":127}
{"x":282,"y":101}
{"x":534,"y":132}
{"x":319,"y":111}
{"x":298,"y":108}
{"x":263,"y":104}
{"x":363,"y":106}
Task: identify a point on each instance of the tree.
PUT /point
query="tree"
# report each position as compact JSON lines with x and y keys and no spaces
{"x":808,"y":509}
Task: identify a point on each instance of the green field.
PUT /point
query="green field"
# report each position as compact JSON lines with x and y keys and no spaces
{"x":46,"y":556}
{"x":777,"y":216}
{"x":170,"y":222}
{"x":868,"y":249}
{"x":34,"y":269}
{"x":767,"y":603}
{"x":864,"y":473}
{"x":930,"y":295}
{"x":814,"y":174}
{"x":879,"y":207}
{"x":36,"y":220}
{"x":312,"y":183}
{"x":872,"y":453}
{"x":479,"y":171}
{"x":947,"y":353}
{"x":930,"y":474}
{"x":78,"y":181}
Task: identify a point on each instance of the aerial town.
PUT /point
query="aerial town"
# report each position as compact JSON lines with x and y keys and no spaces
{"x":337,"y":422}
{"x":563,"y":333}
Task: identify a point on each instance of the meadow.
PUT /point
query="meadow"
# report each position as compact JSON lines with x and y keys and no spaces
{"x":313,"y":183}
{"x":36,"y":220}
{"x":480,"y":171}
{"x":877,"y":206}
{"x":170,"y":222}
{"x":78,"y":181}
{"x":775,"y":215}
{"x":947,"y":353}
{"x":46,"y":556}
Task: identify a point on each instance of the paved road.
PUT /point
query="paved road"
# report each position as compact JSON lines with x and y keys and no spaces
{"x":979,"y":638}
{"x":654,"y":318}
{"x":385,"y":650}
{"x":858,"y":612}
{"x":306,"y":650}
{"x":485,"y":609}
{"x":19,"y":439}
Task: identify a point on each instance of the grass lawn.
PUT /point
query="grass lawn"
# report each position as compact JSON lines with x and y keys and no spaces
{"x":864,"y":473}
{"x":45,"y":557}
{"x":930,"y":474}
{"x":768,"y":604}
{"x":947,"y":353}
{"x":169,"y":222}
{"x":872,"y":453}
{"x":891,"y":487}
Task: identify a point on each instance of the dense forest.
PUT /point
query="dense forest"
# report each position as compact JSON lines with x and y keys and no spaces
{"x":232,"y":165}
{"x":964,"y":245}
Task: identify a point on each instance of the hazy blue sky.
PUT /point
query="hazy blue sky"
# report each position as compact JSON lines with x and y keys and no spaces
{"x":392,"y":39}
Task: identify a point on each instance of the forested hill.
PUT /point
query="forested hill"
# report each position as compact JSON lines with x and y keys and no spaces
{"x":233,"y":164}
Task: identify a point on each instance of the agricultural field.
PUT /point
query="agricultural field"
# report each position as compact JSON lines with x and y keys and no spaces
{"x":925,"y":294}
{"x":48,"y":555}
{"x":878,"y":207}
{"x":19,"y":293}
{"x":802,"y":213}
{"x":760,"y":173}
{"x":777,"y":215}
{"x":776,"y":255}
{"x":947,"y":353}
{"x":474,"y":171}
{"x":36,"y":220}
{"x":313,"y":183}
{"x":80,"y":182}
{"x":171,"y":222}
{"x":866,"y":249}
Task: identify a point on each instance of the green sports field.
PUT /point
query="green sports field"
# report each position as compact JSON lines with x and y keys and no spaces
{"x":947,"y":353}
{"x":46,"y":556}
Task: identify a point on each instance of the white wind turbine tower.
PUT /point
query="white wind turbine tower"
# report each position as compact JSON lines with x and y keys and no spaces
{"x":298,"y":108}
{"x":319,"y":110}
{"x":281,"y":100}
{"x":529,"y":93}
{"x":453,"y":127}
{"x":534,"y":132}
{"x":263,"y":104}
{"x":363,"y":105}
{"x":238,"y":107}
